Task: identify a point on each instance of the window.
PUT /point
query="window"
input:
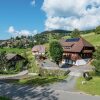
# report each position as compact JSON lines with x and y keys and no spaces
{"x":67,"y":47}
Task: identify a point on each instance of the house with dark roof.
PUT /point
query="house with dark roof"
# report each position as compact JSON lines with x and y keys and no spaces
{"x":76,"y":51}
{"x":13,"y":59}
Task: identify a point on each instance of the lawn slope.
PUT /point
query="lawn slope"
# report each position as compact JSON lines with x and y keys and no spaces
{"x":92,"y":38}
{"x":90,"y":87}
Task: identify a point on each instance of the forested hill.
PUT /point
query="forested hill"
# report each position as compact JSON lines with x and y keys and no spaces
{"x":56,"y":31}
{"x":40,"y":38}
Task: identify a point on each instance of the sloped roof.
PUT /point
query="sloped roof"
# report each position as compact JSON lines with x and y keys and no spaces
{"x":74,"y":44}
{"x":11,"y":56}
{"x":39,"y":48}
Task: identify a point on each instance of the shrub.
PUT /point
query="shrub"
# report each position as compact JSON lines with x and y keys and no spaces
{"x":4,"y":98}
{"x":96,"y":61}
{"x":49,"y":72}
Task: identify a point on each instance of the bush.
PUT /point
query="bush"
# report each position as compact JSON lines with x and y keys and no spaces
{"x":19,"y":66}
{"x":4,"y":98}
{"x":95,"y":73}
{"x":49,"y":72}
{"x":96,"y":61}
{"x":66,"y":72}
{"x":97,"y":30}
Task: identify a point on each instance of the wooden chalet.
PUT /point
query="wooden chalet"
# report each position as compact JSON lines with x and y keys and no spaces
{"x":14,"y":57}
{"x":76,"y":49}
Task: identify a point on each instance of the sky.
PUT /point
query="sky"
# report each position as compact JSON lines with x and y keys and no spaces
{"x":28,"y":17}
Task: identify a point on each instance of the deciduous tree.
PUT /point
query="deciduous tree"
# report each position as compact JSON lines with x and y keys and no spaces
{"x":96,"y":61}
{"x":56,"y":51}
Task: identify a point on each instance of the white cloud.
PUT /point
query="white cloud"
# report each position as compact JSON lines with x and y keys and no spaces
{"x":70,"y":14}
{"x":11,"y":29}
{"x":24,"y":32}
{"x":33,"y":2}
{"x":35,"y":32}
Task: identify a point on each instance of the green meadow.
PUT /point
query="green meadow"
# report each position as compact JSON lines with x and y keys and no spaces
{"x":92,"y":38}
{"x":90,"y":87}
{"x":13,"y":50}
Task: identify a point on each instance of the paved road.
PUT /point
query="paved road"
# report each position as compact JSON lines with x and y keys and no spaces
{"x":16,"y":76}
{"x":18,"y":92}
{"x":66,"y":85}
{"x":64,"y":90}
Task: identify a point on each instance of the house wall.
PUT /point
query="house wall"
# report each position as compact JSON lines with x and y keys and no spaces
{"x":72,"y":56}
{"x":37,"y":53}
{"x":76,"y":58}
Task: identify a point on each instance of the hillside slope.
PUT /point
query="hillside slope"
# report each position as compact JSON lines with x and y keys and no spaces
{"x":92,"y":38}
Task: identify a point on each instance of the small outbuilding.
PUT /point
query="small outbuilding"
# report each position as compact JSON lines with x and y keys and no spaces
{"x":13,"y":59}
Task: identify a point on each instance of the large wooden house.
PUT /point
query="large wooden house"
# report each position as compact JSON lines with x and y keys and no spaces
{"x":75,"y":50}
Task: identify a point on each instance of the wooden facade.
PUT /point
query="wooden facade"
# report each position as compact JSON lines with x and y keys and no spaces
{"x":76,"y":49}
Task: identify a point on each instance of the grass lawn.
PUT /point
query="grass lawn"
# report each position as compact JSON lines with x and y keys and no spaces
{"x":91,"y":87}
{"x":4,"y":98}
{"x":13,"y":50}
{"x":93,"y":38}
{"x":41,"y":80}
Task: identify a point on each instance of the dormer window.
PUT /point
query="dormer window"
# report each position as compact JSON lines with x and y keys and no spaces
{"x":67,"y":47}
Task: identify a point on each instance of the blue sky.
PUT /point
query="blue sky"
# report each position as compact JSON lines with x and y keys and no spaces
{"x":28,"y":17}
{"x":20,"y":14}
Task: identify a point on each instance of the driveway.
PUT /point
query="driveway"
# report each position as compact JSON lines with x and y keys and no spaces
{"x":20,"y":92}
{"x":66,"y":85}
{"x":78,"y":70}
{"x":75,"y":70}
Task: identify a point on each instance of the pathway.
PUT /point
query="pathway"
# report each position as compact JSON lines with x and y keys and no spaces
{"x":16,"y":76}
{"x":20,"y":92}
{"x":64,"y":90}
{"x":66,"y":85}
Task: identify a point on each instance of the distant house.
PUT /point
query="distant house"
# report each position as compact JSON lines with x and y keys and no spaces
{"x":13,"y":59}
{"x":77,"y":51}
{"x":38,"y":50}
